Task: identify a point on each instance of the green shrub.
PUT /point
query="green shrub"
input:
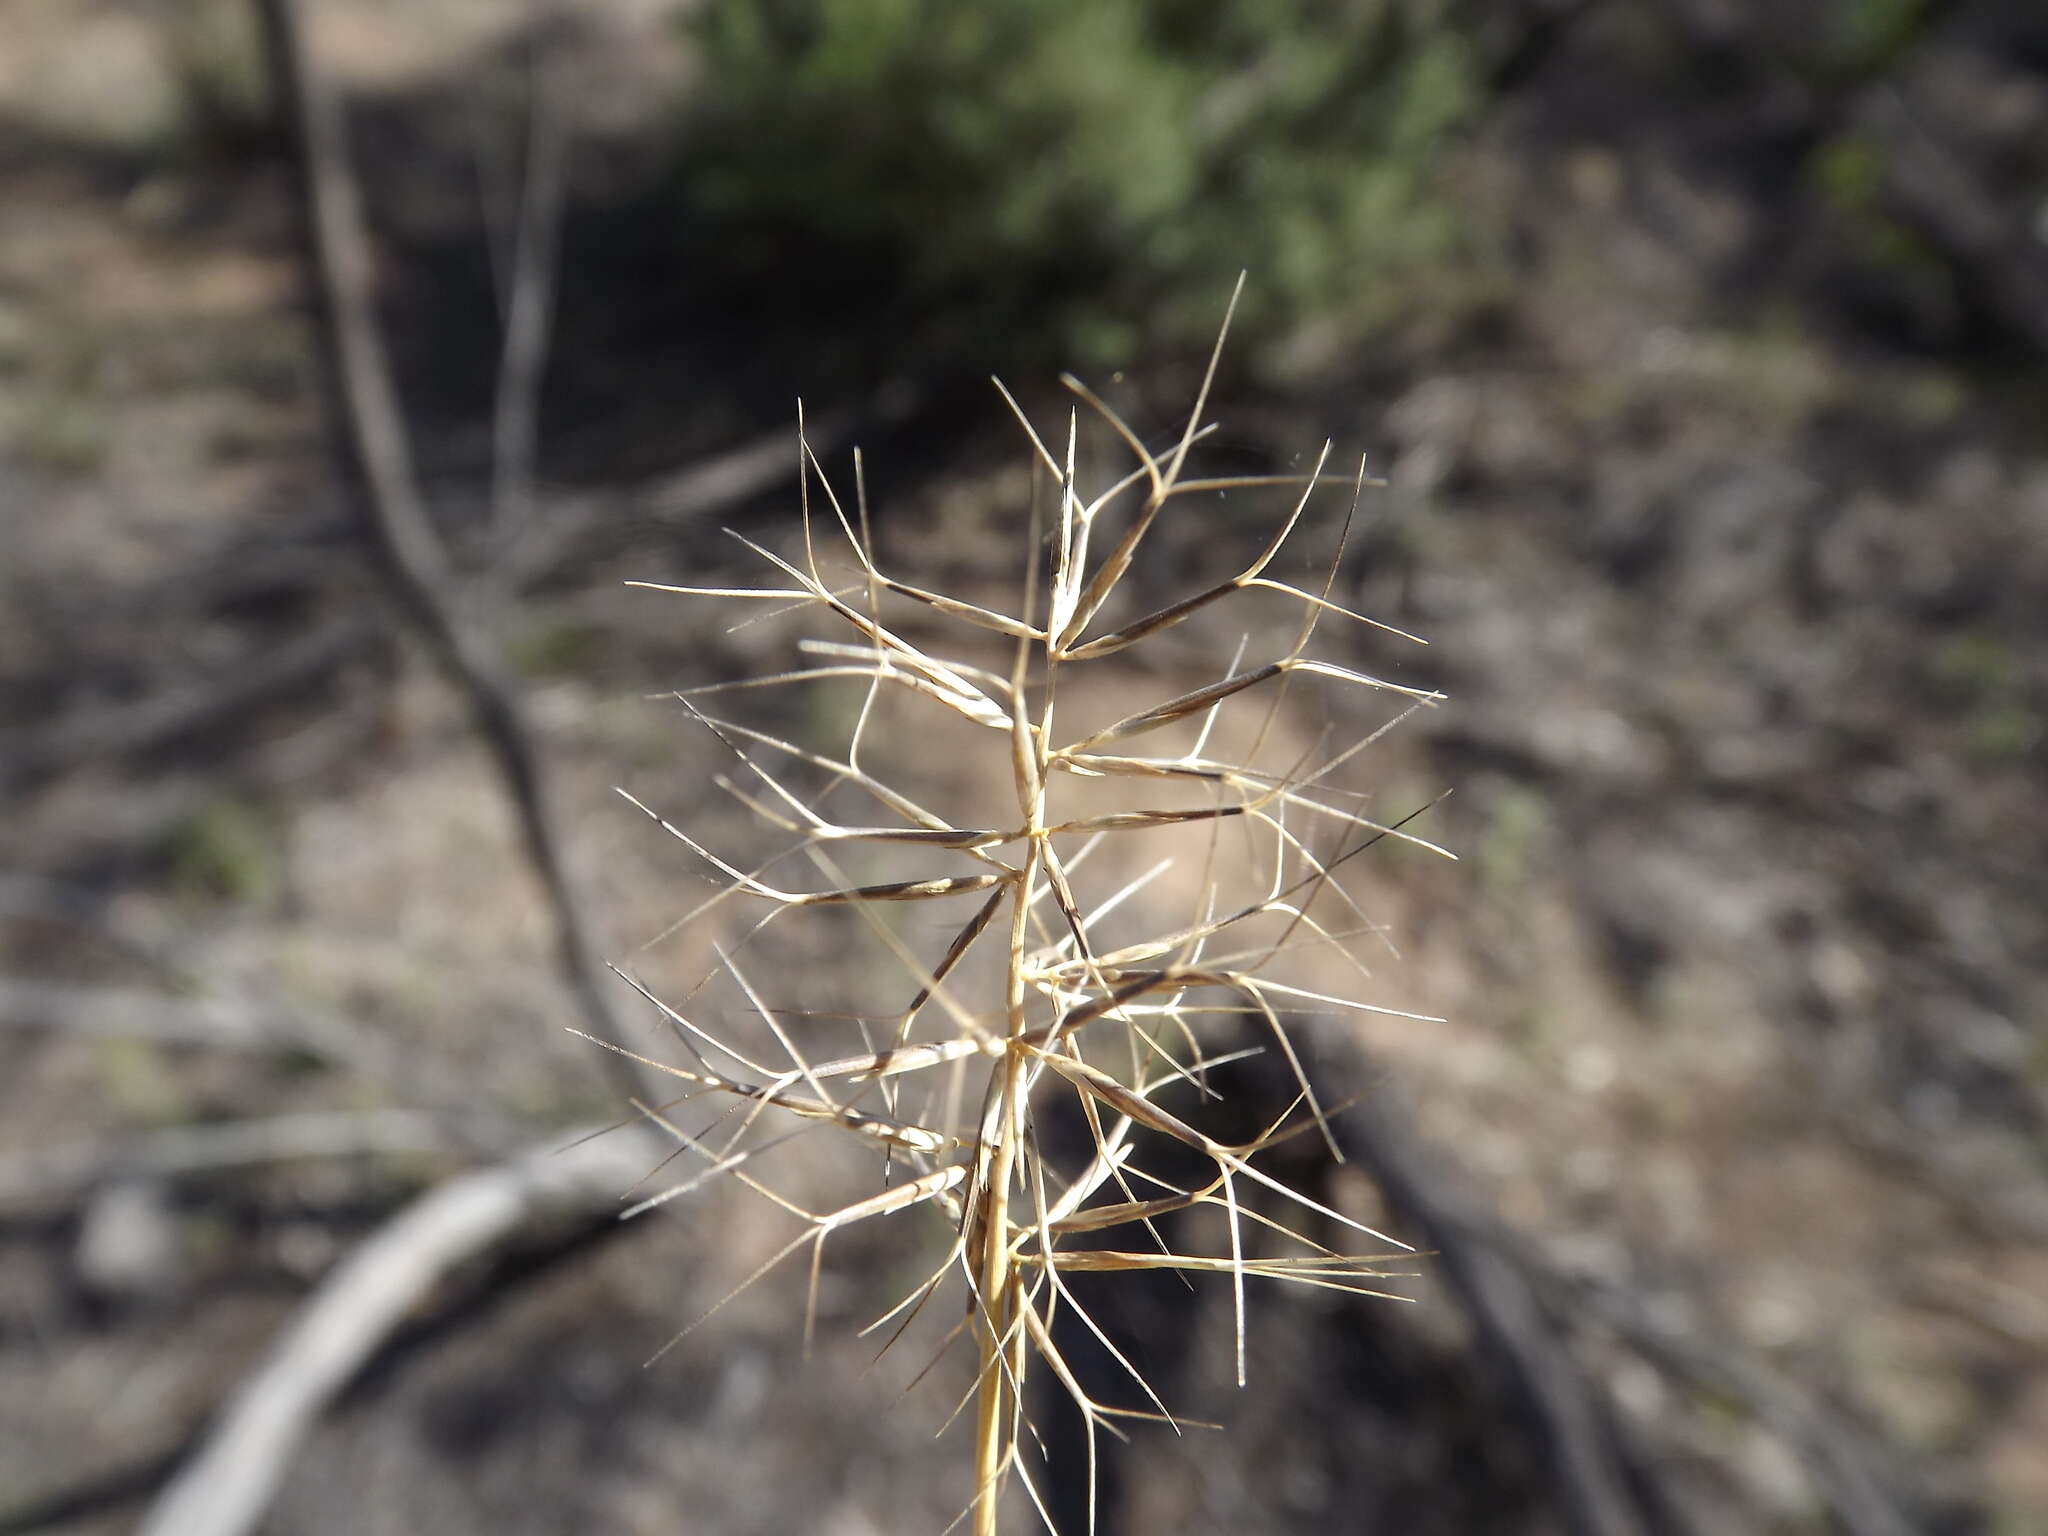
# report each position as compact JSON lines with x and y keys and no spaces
{"x":952,"y":169}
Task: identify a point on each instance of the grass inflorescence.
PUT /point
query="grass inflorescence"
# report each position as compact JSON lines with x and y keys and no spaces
{"x":1040,"y":998}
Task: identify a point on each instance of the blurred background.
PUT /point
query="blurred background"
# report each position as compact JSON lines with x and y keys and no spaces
{"x":1703,"y":345}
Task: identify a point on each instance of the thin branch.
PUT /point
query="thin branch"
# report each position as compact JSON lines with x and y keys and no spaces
{"x":54,"y":1174}
{"x":1499,"y":1277}
{"x":394,"y":514}
{"x":225,"y":1489}
{"x":282,"y":671}
{"x":529,"y":309}
{"x":228,"y":1023}
{"x":1572,"y":1429}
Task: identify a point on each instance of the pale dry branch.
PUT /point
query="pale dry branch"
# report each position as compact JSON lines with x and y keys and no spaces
{"x":227,"y":1484}
{"x":529,"y":305}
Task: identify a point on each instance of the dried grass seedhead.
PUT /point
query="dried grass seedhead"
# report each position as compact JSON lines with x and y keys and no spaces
{"x":1039,"y":1001}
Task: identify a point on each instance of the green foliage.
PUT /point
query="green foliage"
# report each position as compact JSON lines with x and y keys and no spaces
{"x":59,"y":358}
{"x":958,"y":168}
{"x":1866,"y":36}
{"x":134,"y":1082}
{"x":1983,"y":673}
{"x":1847,"y":173}
{"x":1511,"y":845}
{"x":61,"y":434}
{"x":216,"y":58}
{"x":543,"y":650}
{"x":224,"y":851}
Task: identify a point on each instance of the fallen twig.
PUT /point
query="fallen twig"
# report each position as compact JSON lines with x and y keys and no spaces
{"x":1839,"y":1459}
{"x":57,"y":1173}
{"x":229,"y":1482}
{"x":1573,"y":1430}
{"x":1504,"y":1281}
{"x":222,"y":1022}
{"x":121,"y":730}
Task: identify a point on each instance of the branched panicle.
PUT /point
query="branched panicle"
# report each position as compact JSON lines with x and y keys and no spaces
{"x":1026,"y":983}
